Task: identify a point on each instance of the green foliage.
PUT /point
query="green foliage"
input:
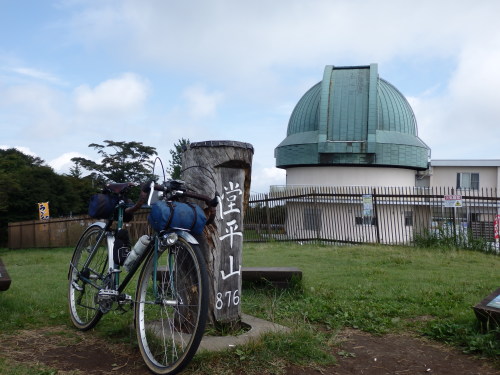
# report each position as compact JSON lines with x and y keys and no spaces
{"x":25,"y":181}
{"x":468,"y":337}
{"x":175,"y":164}
{"x":127,"y":162}
{"x":443,"y":238}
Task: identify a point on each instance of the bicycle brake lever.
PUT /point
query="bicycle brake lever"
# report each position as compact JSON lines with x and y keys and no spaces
{"x":151,"y":189}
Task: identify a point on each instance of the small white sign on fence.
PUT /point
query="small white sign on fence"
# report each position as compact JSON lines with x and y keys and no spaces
{"x":367,"y":205}
{"x":452,"y":201}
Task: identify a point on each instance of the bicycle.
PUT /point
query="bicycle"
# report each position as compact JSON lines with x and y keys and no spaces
{"x":171,"y":299}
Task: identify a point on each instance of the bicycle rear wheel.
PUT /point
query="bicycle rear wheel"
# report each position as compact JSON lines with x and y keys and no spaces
{"x":171,"y":307}
{"x":87,"y":274}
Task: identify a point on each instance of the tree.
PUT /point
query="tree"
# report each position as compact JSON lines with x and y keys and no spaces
{"x":129,"y":162}
{"x":25,"y":181}
{"x":175,"y":165}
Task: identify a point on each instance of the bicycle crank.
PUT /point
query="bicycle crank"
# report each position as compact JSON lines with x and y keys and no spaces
{"x":105,"y":299}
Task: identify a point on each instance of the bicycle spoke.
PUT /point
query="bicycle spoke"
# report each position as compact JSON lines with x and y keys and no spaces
{"x":170,"y":329}
{"x":87,"y":275}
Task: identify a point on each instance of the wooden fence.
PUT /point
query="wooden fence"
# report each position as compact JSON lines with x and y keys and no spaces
{"x":62,"y":232}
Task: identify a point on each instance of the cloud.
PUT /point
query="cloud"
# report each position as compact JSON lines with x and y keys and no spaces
{"x":37,"y":74}
{"x":200,"y":103}
{"x":255,"y":50}
{"x":124,"y":94}
{"x":462,"y":120}
{"x":227,"y":37}
{"x":263,"y":177}
{"x":24,"y":150}
{"x":63,"y":163}
{"x":34,"y":110}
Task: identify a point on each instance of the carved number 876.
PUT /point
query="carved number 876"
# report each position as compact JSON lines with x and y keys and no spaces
{"x":229,"y":296}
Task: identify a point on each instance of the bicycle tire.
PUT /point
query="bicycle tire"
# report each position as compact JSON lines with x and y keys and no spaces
{"x":84,"y":309}
{"x":170,"y":326}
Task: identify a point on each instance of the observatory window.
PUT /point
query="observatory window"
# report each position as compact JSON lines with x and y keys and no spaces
{"x":312,"y":218}
{"x":366,"y":220}
{"x":468,"y":181}
{"x":408,"y":218}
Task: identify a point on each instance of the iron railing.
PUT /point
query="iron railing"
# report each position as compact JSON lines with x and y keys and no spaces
{"x":387,"y":215}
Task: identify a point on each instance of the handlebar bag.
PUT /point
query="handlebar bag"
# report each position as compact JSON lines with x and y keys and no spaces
{"x":166,"y":215}
{"x":102,"y":206}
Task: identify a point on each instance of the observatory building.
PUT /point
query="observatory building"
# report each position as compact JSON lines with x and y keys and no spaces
{"x":352,"y":129}
{"x":357,"y":171}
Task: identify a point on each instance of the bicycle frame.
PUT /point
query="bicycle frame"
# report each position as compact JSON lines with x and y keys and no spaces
{"x":152,"y":247}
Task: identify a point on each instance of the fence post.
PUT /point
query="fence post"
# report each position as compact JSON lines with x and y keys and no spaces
{"x":375,"y":212}
{"x":268,"y":217}
{"x":317,"y":216}
{"x":225,"y":167}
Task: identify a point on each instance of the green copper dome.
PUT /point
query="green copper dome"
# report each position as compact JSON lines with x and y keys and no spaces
{"x":352,"y":117}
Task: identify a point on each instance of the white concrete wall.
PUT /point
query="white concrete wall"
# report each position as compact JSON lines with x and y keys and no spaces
{"x":338,"y":223}
{"x":350,"y":176}
{"x":447,"y":176}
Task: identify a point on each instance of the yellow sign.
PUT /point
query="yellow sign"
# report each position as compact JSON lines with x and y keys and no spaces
{"x":43,"y":211}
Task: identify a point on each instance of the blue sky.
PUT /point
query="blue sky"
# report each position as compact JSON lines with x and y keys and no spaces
{"x":76,"y":72}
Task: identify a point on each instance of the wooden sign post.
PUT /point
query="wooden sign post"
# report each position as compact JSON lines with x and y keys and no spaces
{"x":223,"y":167}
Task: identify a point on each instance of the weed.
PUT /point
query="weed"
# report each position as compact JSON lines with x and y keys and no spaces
{"x":466,"y":335}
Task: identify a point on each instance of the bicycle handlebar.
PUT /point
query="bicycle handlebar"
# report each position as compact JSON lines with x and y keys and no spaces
{"x":146,"y":192}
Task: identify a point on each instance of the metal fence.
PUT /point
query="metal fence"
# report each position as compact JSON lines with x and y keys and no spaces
{"x":387,"y":215}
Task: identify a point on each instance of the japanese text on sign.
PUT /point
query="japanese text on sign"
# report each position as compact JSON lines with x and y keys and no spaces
{"x":452,"y":201}
{"x":228,"y":206}
{"x":43,"y":211}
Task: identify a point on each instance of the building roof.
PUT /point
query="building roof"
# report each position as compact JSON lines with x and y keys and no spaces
{"x":465,"y":163}
{"x":352,"y":117}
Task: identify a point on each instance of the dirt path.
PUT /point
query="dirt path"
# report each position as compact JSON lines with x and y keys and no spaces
{"x":73,"y":352}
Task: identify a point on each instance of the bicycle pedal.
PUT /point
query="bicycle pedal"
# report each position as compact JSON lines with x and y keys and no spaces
{"x":76,"y":286}
{"x":124,"y":299}
{"x":107,"y":294}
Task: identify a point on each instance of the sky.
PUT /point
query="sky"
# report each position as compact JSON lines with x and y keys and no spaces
{"x":76,"y":72}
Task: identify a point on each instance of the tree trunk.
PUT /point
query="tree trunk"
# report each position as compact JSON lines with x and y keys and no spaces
{"x":223,"y":167}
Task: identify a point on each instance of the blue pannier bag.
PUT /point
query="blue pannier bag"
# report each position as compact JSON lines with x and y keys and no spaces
{"x":102,"y":206}
{"x":165,"y":215}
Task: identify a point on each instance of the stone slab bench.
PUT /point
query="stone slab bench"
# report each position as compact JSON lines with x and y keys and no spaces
{"x":4,"y":277}
{"x":277,"y":276}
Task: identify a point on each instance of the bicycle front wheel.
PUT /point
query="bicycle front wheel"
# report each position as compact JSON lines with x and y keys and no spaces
{"x":171,"y":307}
{"x":87,"y":274}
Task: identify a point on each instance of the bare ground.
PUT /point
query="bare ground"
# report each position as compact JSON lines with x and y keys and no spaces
{"x":74,"y":353}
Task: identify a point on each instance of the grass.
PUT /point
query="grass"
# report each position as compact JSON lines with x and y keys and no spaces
{"x":379,"y":289}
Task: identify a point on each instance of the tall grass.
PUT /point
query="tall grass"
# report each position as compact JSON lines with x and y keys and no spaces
{"x":379,"y":289}
{"x":447,"y":238}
